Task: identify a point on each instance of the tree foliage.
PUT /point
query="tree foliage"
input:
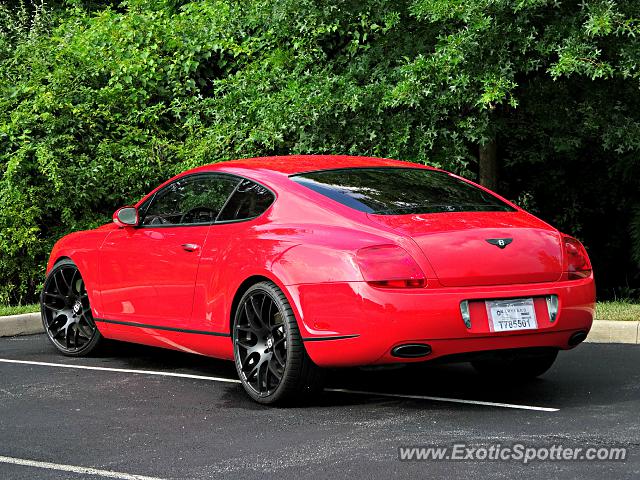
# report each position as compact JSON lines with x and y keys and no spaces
{"x":100,"y":101}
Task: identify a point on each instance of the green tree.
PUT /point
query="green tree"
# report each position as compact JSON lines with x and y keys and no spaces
{"x":100,"y":101}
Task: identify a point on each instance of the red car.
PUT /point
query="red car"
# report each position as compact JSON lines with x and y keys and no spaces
{"x":290,"y":264}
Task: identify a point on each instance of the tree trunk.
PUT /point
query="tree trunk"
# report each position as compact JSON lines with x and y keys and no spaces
{"x":489,"y":165}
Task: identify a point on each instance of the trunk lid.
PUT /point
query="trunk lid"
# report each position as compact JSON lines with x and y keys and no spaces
{"x":457,"y":247}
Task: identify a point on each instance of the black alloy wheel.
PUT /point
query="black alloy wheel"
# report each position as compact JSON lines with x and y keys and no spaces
{"x":66,"y":312}
{"x":270,"y":357}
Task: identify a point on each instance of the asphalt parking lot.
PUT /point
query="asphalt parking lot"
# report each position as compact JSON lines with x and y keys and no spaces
{"x":196,"y":422}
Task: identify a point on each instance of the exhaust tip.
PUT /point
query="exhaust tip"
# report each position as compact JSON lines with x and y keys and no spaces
{"x":411,"y":350}
{"x":577,"y":338}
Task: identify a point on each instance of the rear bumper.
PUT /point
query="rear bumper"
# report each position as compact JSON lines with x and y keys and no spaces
{"x":352,"y":323}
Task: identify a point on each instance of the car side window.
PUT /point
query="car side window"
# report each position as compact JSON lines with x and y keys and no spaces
{"x":248,"y":201}
{"x":190,"y":200}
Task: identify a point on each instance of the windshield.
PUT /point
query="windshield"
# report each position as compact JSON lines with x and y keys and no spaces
{"x":400,"y":191}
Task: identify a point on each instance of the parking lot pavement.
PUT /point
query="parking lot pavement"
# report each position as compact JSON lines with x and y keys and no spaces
{"x":194,"y":424}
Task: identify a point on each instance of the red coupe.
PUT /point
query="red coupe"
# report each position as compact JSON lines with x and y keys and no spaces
{"x":290,"y":264}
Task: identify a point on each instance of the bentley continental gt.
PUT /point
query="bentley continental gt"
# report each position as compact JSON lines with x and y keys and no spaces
{"x":289,"y":265}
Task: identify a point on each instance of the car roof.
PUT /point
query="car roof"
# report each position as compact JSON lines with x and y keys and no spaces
{"x":293,"y":164}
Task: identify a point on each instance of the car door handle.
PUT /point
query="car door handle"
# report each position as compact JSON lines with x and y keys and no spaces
{"x":190,"y":247}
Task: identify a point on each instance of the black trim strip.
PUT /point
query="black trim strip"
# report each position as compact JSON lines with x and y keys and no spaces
{"x":334,"y":337}
{"x":157,"y":327}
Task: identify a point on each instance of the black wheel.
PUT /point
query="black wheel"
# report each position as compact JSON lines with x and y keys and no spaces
{"x":66,"y":313}
{"x":270,"y":357}
{"x":516,"y":366}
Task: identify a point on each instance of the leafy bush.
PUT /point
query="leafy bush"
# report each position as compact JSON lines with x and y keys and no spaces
{"x":100,"y":101}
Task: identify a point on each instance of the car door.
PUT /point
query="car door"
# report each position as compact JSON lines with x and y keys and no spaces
{"x":148,"y":272}
{"x":233,"y":230}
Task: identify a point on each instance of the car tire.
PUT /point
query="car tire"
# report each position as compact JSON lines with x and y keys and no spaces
{"x":516,"y":366}
{"x":269,"y":353}
{"x":66,"y":311}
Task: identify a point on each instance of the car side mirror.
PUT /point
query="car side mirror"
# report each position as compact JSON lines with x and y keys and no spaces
{"x":126,"y":217}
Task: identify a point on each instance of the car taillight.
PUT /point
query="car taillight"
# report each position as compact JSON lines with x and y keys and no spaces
{"x":576,"y":260}
{"x":389,"y":266}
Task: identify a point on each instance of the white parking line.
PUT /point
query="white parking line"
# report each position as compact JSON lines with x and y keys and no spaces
{"x":74,"y":469}
{"x":445,"y":399}
{"x":335,"y":390}
{"x":122,"y":370}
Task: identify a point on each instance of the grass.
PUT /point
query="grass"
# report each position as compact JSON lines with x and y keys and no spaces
{"x":6,"y":310}
{"x":617,"y":310}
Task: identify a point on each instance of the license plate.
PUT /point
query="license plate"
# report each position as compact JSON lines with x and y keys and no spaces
{"x":510,"y":315}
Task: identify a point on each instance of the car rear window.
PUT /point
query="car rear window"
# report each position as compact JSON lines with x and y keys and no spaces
{"x":400,"y":191}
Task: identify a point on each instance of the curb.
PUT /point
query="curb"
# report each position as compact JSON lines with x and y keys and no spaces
{"x":602,"y":331}
{"x":609,"y":331}
{"x":23,"y":324}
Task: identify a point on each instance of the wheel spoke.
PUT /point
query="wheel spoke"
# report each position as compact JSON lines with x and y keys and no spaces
{"x":244,"y":343}
{"x":257,"y":313}
{"x":57,"y":317}
{"x":261,"y":376}
{"x":269,"y":317}
{"x":279,"y":358}
{"x":274,"y":370}
{"x":84,"y":333}
{"x":253,"y":371}
{"x":67,"y":336}
{"x":73,"y":281}
{"x":55,"y":282}
{"x":250,"y":348}
{"x":265,"y":321}
{"x":252,"y":319}
{"x":64,"y":279}
{"x":59,"y":328}
{"x":249,"y":363}
{"x":55,"y":295}
{"x":50,"y":307}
